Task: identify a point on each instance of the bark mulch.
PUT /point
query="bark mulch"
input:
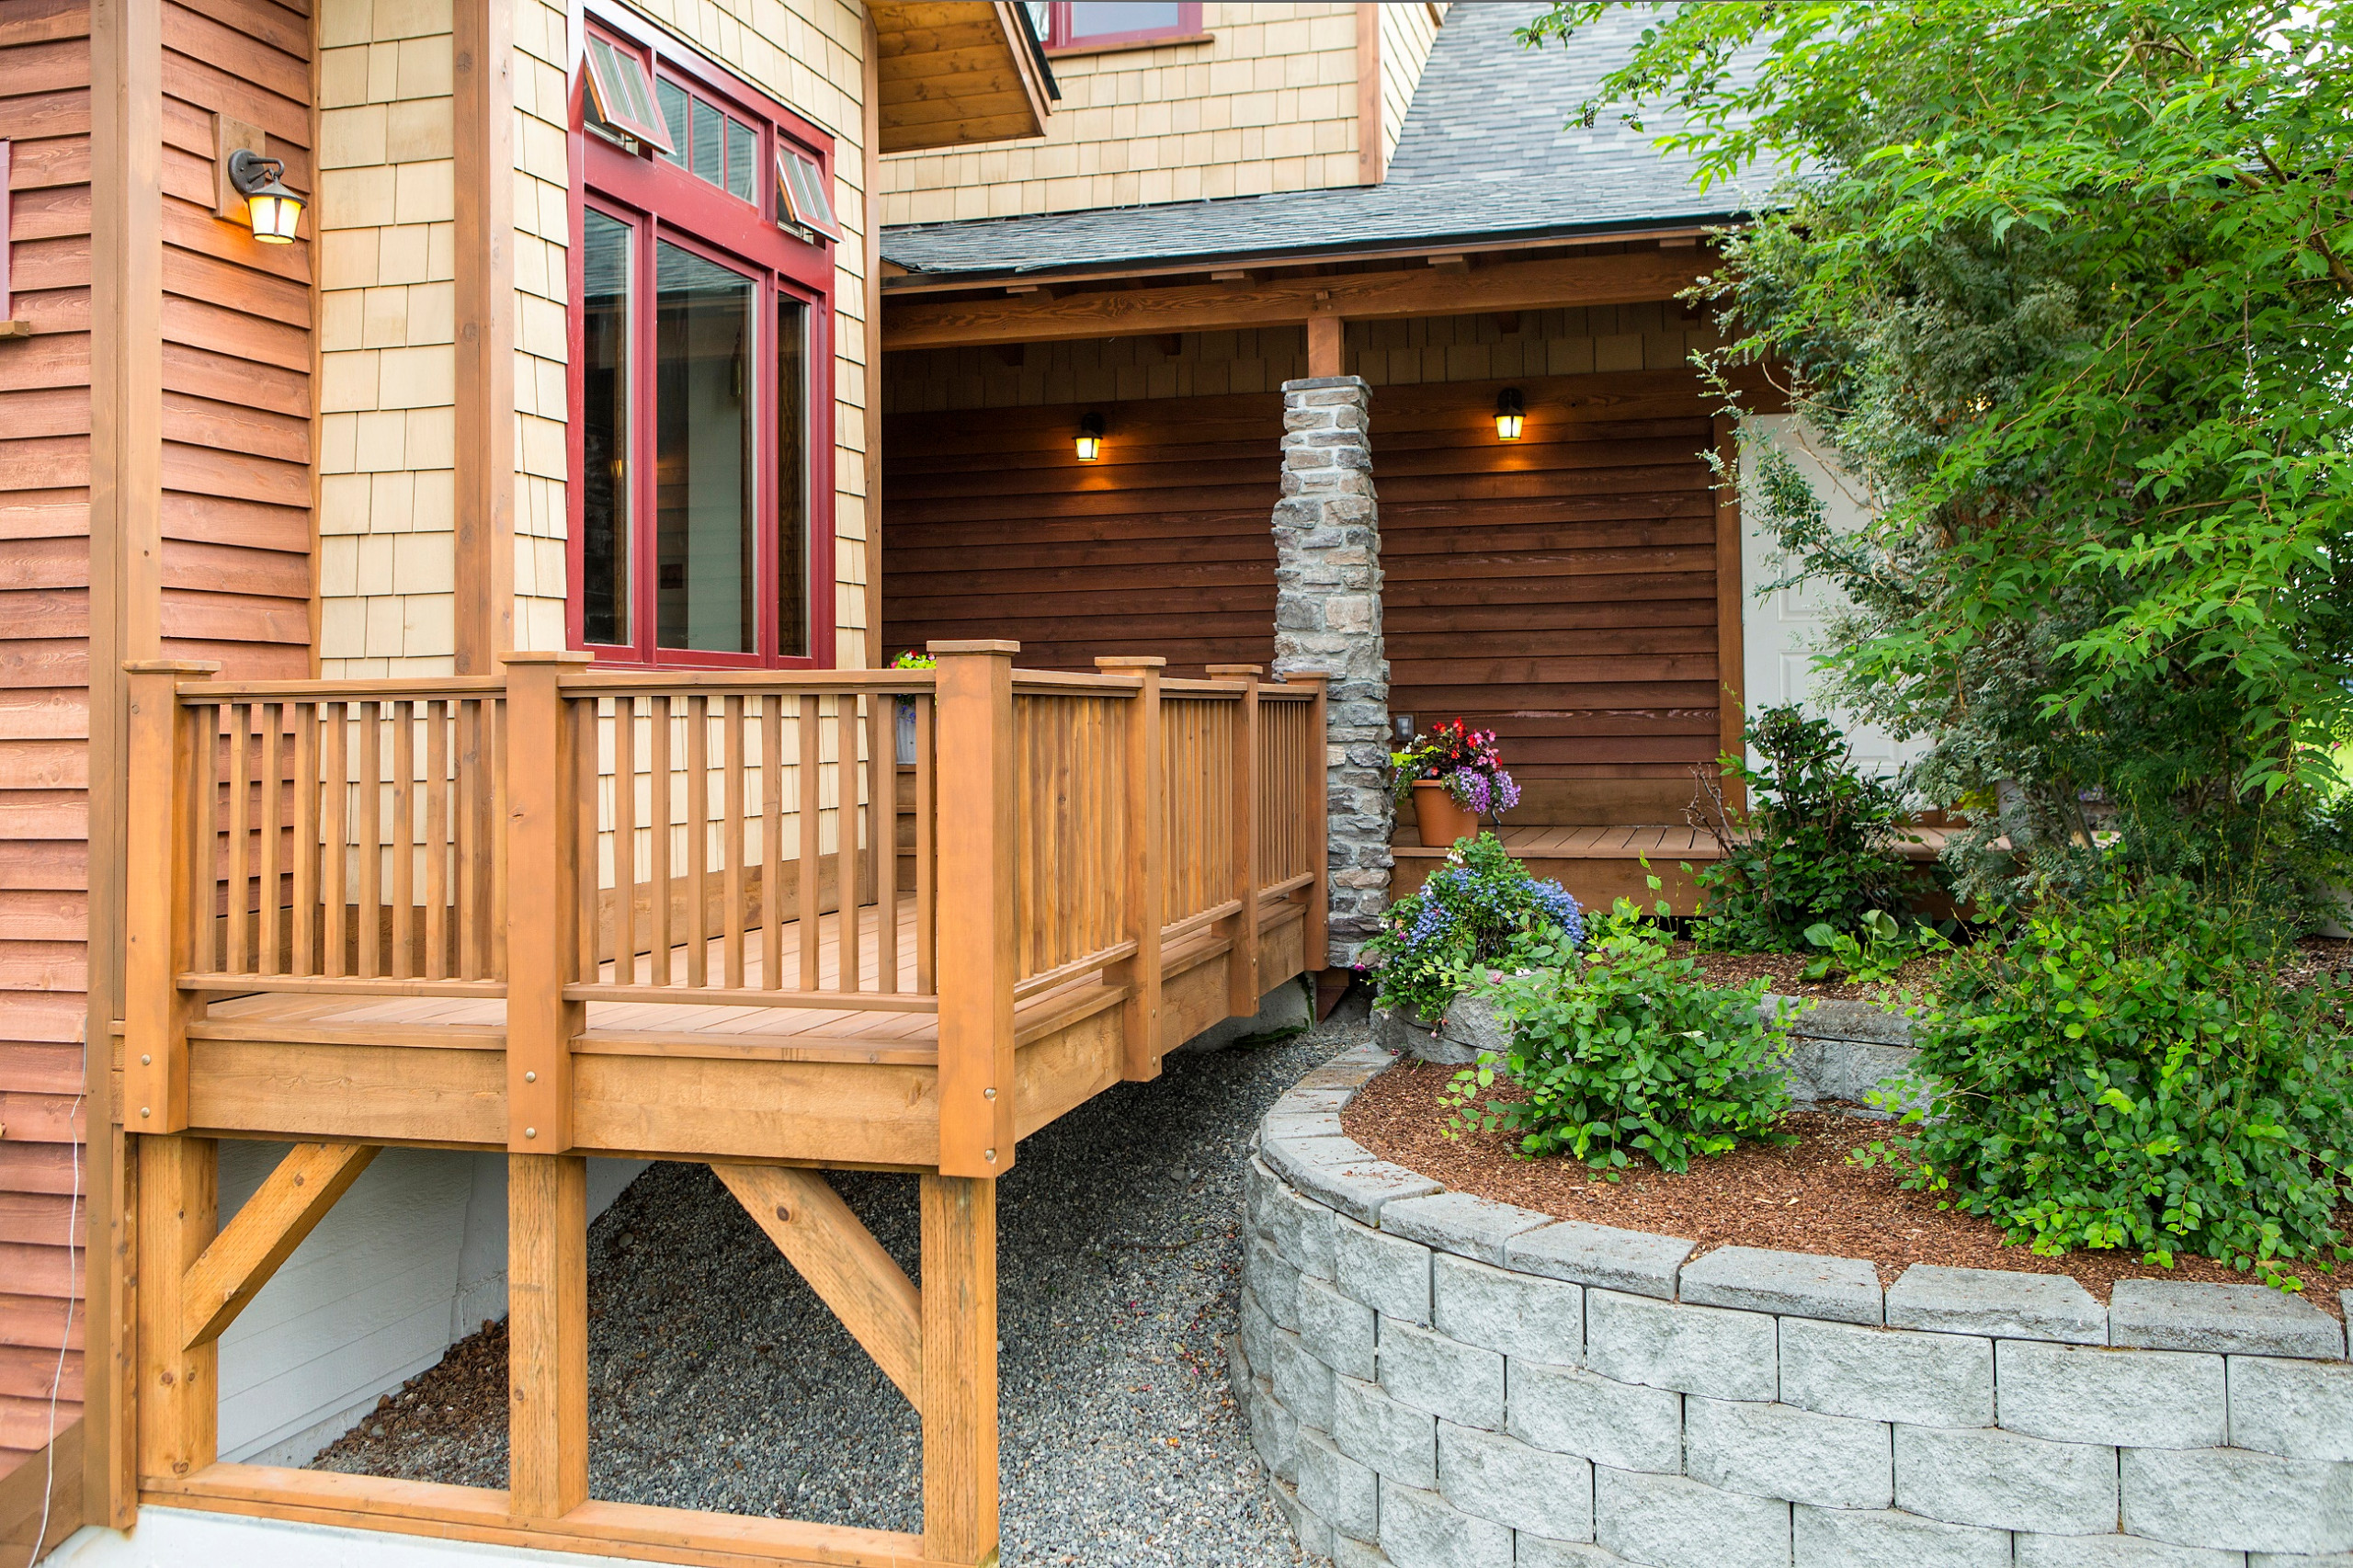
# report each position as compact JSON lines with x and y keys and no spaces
{"x":1804,"y":1197}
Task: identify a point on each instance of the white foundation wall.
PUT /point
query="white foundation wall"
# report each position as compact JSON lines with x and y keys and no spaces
{"x":1782,"y":632}
{"x":412,"y":1259}
{"x":181,"y":1538}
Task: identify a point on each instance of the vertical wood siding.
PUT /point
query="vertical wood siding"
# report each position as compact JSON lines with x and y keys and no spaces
{"x":993,"y":528}
{"x":44,"y":706}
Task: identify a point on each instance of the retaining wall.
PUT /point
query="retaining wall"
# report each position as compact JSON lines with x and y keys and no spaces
{"x":1436,"y":1380}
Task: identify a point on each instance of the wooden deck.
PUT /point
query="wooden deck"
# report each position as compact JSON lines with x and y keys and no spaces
{"x":777,"y":922}
{"x":1599,"y":864}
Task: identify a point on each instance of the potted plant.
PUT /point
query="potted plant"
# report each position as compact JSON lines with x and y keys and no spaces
{"x":1453,"y":775}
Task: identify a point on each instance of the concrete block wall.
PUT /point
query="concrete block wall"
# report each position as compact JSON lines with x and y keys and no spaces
{"x":1436,"y":1380}
{"x":1398,"y":353}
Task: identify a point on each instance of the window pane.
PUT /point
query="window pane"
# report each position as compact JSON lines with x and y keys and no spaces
{"x":710,"y":141}
{"x":674,"y":115}
{"x":1093,"y":19}
{"x":703,"y":457}
{"x":605,"y":482}
{"x":791,"y":478}
{"x":743,"y":160}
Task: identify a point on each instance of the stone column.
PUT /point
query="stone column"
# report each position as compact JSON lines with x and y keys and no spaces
{"x":1327,"y":617}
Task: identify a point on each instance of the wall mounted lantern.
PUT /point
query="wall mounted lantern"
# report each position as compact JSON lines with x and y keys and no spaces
{"x":1090,"y":437}
{"x":1509,"y":415}
{"x":274,"y":210}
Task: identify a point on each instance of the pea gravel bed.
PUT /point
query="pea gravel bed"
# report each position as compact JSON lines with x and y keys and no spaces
{"x":718,"y":1381}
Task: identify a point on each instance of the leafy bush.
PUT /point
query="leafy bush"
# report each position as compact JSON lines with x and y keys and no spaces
{"x":1482,"y":907}
{"x":2133,"y":1071}
{"x":1629,"y":1050}
{"x":1878,"y":950}
{"x":1813,"y":848}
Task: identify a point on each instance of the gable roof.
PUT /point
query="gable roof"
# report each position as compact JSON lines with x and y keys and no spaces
{"x":1484,"y":155}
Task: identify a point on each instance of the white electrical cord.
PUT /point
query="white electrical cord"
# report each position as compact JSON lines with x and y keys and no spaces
{"x":57,"y":1379}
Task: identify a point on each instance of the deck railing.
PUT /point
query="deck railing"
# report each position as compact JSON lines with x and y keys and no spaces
{"x":952,"y":841}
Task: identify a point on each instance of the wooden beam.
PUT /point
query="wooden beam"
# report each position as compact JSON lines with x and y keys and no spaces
{"x":264,"y":1232}
{"x":180,"y":1399}
{"x":1731,"y":596}
{"x":543,"y":868}
{"x":842,"y":1261}
{"x":547,"y":1357}
{"x":1370,"y":165}
{"x":483,"y":116}
{"x":975,"y":945}
{"x":871,"y":296}
{"x":44,"y":1490}
{"x":1327,"y":345}
{"x":1623,"y":278}
{"x":960,"y":1474}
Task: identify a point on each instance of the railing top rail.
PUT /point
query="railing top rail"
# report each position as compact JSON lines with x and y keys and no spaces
{"x":1287,"y":694}
{"x":1040,"y":681}
{"x":1223,"y":690}
{"x":421,"y":687}
{"x":610,"y":682}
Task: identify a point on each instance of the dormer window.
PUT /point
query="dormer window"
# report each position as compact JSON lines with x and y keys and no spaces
{"x":1078,"y":27}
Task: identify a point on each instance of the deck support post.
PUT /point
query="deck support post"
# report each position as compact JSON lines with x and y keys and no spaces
{"x":543,"y":905}
{"x":1242,"y":957}
{"x":1147,"y":903}
{"x":976,"y":959}
{"x":547,"y":1353}
{"x":159,"y":920}
{"x":179,"y":1396}
{"x":959,"y":1476}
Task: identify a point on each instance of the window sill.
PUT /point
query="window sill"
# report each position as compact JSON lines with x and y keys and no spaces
{"x":1125,"y":45}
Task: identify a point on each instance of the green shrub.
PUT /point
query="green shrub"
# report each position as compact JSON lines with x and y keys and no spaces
{"x":1813,"y":848}
{"x":2132,"y":1070}
{"x":1481,"y":908}
{"x":1629,"y":1050}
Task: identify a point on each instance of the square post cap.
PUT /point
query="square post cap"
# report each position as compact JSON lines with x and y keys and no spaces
{"x":972,"y":645}
{"x":546,"y":656}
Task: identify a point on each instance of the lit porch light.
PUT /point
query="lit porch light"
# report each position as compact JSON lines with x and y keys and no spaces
{"x":1090,"y":437}
{"x":1509,"y":414}
{"x":274,"y":210}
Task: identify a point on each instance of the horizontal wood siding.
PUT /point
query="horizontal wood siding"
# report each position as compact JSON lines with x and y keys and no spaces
{"x":992,"y":527}
{"x":1560,"y":589}
{"x":44,"y":710}
{"x":237,"y":348}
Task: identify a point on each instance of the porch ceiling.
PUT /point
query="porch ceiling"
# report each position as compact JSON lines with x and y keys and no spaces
{"x":953,"y":73}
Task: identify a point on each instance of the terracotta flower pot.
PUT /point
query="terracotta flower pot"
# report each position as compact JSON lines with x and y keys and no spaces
{"x":1441,"y":821}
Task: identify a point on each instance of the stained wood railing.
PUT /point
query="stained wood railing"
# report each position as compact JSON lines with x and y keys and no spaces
{"x":559,"y":836}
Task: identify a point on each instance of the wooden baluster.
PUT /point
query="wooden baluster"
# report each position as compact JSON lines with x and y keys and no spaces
{"x":307,"y":849}
{"x":698,"y":841}
{"x":1143,"y":913}
{"x":543,"y":944}
{"x":334,"y":849}
{"x":500,"y":744}
{"x":847,"y":962}
{"x":1241,"y":958}
{"x":588,"y":880}
{"x":807,"y":775}
{"x":772,"y":838}
{"x":625,"y":840}
{"x":926,"y":874}
{"x":658,"y":759}
{"x":882,"y":833}
{"x":169,"y":834}
{"x":1316,"y":938}
{"x":201,"y":880}
{"x":1025,"y":838}
{"x":976,"y":956}
{"x":239,"y":875}
{"x":437,"y":841}
{"x":404,"y":932}
{"x":731,"y":736}
{"x":269,"y":809}
{"x":472,"y":885}
{"x":367,"y":926}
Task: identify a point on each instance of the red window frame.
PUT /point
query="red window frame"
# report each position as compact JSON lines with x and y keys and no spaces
{"x":664,"y":202}
{"x":1061,"y":40}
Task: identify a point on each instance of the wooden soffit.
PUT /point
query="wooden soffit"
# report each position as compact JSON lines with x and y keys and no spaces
{"x":1623,"y":278}
{"x":951,"y":74}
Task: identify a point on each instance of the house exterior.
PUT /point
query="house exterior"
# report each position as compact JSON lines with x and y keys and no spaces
{"x":389,"y":613}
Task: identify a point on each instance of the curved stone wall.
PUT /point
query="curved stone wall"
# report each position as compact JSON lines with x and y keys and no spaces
{"x":1436,"y":1380}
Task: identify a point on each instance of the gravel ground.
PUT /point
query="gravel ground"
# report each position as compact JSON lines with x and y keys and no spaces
{"x":718,"y":1381}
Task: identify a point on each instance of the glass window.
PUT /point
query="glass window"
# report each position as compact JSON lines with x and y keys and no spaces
{"x":702,"y":457}
{"x":1086,"y":24}
{"x":604,"y":478}
{"x":743,"y":161}
{"x":674,"y":102}
{"x":793,"y":477}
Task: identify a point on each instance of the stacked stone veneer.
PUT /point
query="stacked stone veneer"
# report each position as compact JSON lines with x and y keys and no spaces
{"x":1436,"y":1379}
{"x":1327,"y":617}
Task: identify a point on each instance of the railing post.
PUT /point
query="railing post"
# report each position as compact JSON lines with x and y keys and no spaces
{"x":542,"y":905}
{"x":1315,"y":934}
{"x":976,"y":955}
{"x":159,"y":919}
{"x":1146,"y":901}
{"x":1242,"y":957}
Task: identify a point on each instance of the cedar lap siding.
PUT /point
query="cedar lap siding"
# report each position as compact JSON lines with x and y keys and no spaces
{"x":232,"y":572}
